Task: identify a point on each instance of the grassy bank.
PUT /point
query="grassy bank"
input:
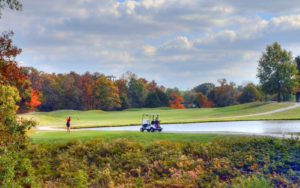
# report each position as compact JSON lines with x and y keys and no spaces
{"x":145,"y":138}
{"x":97,"y":118}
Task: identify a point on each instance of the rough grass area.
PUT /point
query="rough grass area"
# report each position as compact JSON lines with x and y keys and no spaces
{"x":234,"y":162}
{"x":98,"y":118}
{"x":145,"y":138}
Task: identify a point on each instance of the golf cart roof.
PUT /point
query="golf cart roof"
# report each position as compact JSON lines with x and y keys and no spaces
{"x":150,"y":114}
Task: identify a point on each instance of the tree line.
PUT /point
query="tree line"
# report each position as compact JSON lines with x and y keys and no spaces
{"x":97,"y":91}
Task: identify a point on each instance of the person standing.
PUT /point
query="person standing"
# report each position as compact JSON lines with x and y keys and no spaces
{"x":68,"y":124}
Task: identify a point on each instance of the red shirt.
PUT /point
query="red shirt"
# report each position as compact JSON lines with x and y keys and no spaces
{"x":68,"y":120}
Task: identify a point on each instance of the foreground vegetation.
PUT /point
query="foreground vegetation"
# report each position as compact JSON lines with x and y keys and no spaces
{"x":234,"y":162}
{"x":96,"y":118}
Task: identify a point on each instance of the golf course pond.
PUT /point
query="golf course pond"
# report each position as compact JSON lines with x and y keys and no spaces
{"x":238,"y":127}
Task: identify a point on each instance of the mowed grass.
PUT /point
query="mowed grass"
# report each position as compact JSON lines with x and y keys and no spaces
{"x":98,"y":118}
{"x":58,"y":137}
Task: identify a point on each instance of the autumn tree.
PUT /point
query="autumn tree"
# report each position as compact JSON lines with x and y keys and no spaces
{"x":34,"y":101}
{"x":201,"y":101}
{"x":10,"y":72}
{"x":107,"y":94}
{"x":86,"y":85}
{"x":249,"y":94}
{"x":35,"y":77}
{"x":13,"y":83}
{"x":277,"y":71}
{"x":225,"y":94}
{"x":176,"y":101}
{"x":15,"y":169}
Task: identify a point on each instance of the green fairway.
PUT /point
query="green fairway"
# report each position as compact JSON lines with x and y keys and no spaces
{"x":97,"y":118}
{"x":63,"y":137}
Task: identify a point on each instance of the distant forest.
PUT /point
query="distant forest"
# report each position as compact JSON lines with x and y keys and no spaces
{"x":97,"y":91}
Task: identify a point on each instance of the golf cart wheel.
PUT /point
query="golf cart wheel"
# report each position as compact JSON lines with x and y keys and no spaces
{"x":142,"y":130}
{"x":152,"y":130}
{"x":159,"y":130}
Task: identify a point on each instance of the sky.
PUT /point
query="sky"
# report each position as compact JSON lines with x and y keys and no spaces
{"x":178,"y":43}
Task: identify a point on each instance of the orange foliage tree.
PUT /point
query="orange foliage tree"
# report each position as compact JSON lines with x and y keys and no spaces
{"x":34,"y":101}
{"x":176,"y":101}
{"x":203,"y":102}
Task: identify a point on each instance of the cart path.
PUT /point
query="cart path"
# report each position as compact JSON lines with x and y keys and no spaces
{"x":47,"y":128}
{"x":295,"y":105}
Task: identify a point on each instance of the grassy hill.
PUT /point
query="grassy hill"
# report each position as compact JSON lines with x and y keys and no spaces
{"x":97,"y":118}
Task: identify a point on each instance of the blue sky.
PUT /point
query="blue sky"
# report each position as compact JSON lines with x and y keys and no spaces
{"x":175,"y":42}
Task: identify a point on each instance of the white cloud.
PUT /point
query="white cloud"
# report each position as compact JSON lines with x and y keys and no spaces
{"x":179,"y":43}
{"x":287,"y":22}
{"x":152,"y":3}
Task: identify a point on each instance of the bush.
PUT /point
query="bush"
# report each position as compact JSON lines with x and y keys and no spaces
{"x":16,"y":171}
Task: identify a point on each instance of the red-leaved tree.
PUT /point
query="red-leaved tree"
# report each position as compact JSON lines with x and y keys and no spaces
{"x":34,"y":101}
{"x":176,"y":101}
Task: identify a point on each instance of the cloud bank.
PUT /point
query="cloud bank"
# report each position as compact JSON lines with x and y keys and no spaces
{"x":175,"y":42}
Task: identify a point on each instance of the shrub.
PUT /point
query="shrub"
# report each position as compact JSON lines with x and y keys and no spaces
{"x":251,"y":182}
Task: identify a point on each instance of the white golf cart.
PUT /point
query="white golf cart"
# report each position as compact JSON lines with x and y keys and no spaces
{"x":150,"y":123}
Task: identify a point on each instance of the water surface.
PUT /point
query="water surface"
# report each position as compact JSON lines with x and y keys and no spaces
{"x":244,"y":127}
